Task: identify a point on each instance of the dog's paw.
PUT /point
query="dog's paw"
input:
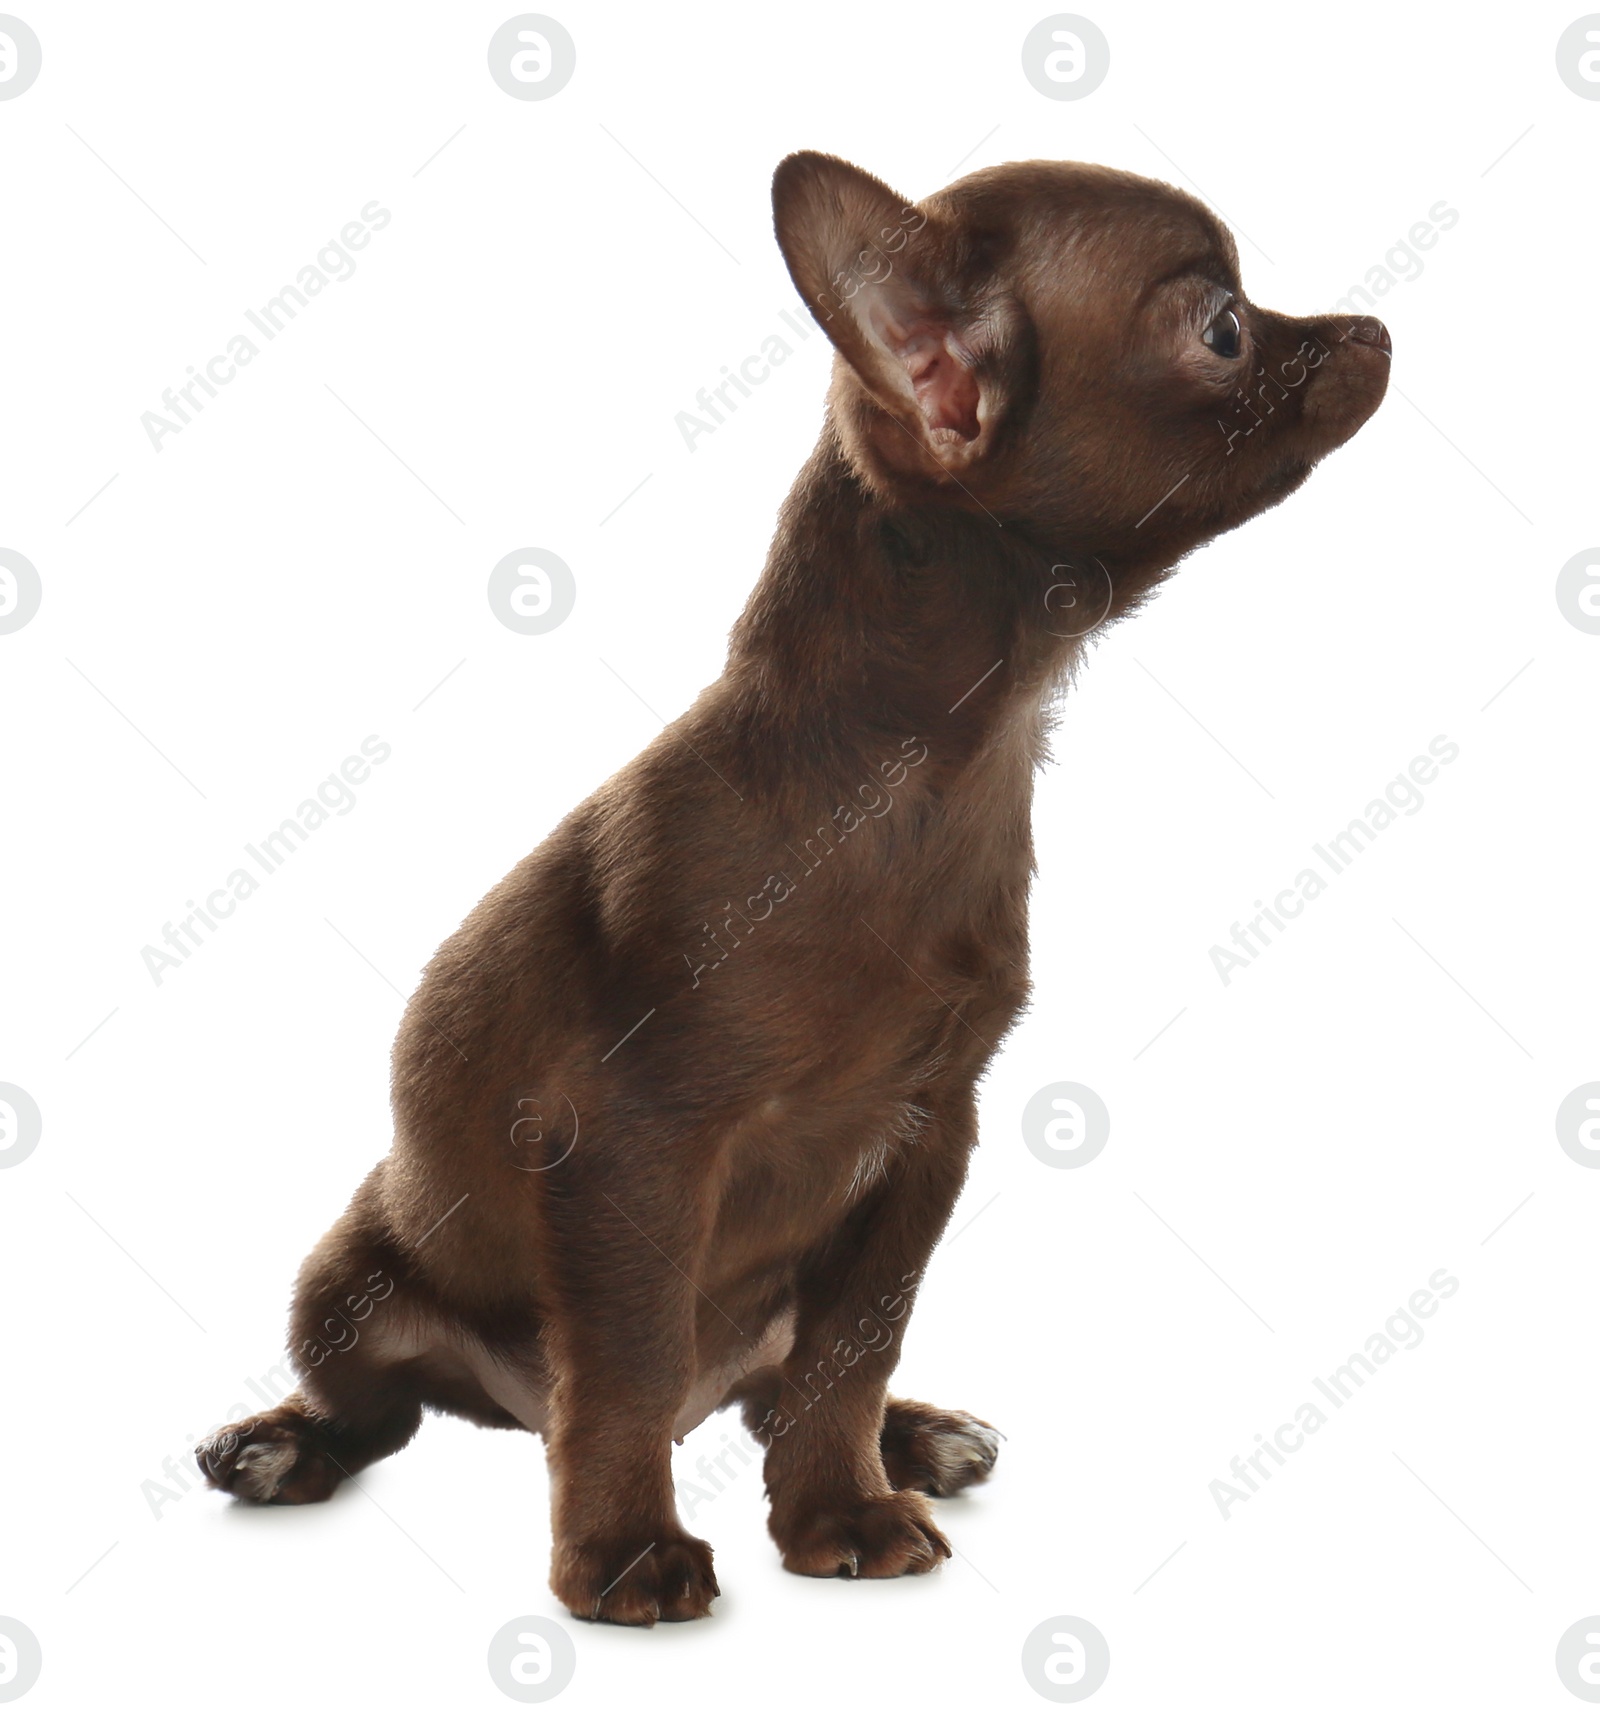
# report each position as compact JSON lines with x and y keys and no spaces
{"x":275,"y":1458}
{"x":668,"y":1579}
{"x":938,"y":1451}
{"x":890,"y":1536}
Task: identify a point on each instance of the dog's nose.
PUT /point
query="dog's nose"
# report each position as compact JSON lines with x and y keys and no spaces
{"x":1370,"y":332}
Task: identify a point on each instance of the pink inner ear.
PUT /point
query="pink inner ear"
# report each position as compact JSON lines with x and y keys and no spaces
{"x":945,"y":387}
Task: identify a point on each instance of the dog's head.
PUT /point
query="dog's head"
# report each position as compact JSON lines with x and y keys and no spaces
{"x":1069,"y":349}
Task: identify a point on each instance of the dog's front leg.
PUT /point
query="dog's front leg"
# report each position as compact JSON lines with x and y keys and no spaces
{"x":834,"y":1510}
{"x":622,"y":1360}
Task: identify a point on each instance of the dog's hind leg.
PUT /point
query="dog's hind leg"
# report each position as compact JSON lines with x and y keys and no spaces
{"x":361,"y":1393}
{"x":298,"y":1453}
{"x":937,"y":1451}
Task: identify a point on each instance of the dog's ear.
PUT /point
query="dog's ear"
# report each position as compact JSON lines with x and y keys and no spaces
{"x":885,"y":281}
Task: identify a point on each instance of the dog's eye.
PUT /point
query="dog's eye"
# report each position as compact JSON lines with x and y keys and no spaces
{"x":1225,"y":336}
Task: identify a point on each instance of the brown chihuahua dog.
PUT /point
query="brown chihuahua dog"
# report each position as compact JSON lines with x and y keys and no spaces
{"x":683,"y":1107}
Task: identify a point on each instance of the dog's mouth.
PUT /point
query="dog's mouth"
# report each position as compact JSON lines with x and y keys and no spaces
{"x":1347,"y":389}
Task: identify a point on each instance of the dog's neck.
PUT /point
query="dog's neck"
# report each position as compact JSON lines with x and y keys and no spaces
{"x":875,"y":621}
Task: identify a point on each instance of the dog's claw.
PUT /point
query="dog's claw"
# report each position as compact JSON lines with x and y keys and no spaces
{"x":893,"y":1535}
{"x":669,"y":1582}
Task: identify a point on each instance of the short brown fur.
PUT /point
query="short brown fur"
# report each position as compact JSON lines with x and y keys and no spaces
{"x":683,"y":1107}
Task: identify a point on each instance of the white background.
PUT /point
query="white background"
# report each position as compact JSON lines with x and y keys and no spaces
{"x":1357,"y":1109}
